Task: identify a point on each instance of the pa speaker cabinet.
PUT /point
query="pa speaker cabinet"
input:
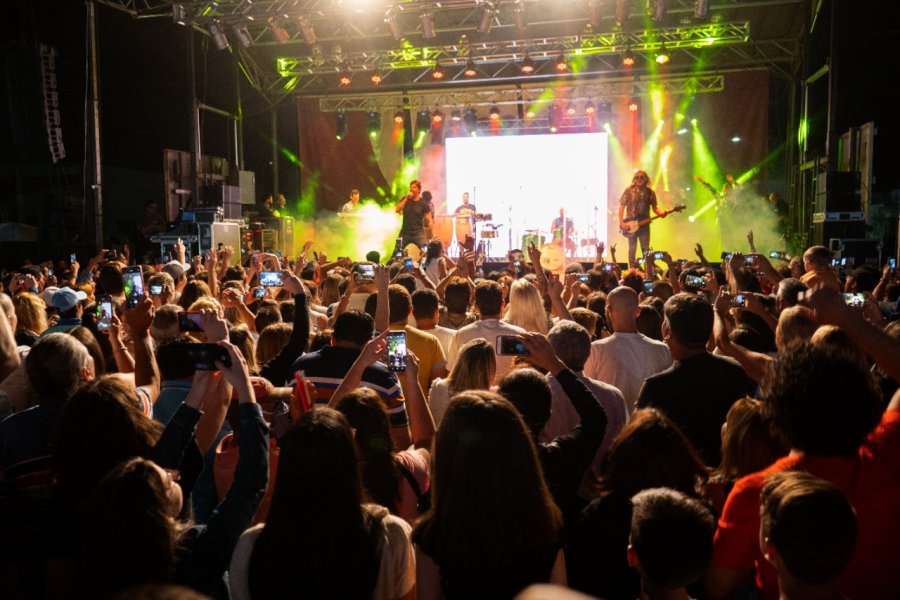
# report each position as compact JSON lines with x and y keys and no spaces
{"x":827,"y":230}
{"x":838,"y":191}
{"x":226,"y":234}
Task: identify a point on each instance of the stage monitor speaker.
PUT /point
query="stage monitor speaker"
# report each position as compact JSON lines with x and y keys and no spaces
{"x":247,"y":181}
{"x":226,"y":234}
{"x":263,"y":239}
{"x":838,"y":191}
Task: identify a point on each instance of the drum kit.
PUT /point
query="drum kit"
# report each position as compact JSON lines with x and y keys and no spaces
{"x":452,"y":230}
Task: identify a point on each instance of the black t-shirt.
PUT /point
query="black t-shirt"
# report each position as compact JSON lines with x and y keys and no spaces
{"x":413,"y":228}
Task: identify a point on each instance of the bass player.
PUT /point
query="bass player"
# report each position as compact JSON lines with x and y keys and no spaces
{"x":635,"y":205}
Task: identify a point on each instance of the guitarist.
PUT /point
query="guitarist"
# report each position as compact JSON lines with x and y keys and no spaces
{"x":635,"y":205}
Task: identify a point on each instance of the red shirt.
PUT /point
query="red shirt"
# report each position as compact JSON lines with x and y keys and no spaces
{"x":870,"y":480}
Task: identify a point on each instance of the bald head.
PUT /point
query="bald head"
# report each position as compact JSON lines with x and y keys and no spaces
{"x":622,"y":309}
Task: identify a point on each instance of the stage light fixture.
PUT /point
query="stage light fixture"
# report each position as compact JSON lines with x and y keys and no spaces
{"x":398,"y":118}
{"x":570,"y":109}
{"x":437,"y":73}
{"x":735,"y":139}
{"x":218,"y":36}
{"x":341,"y":129}
{"x":628,"y":58}
{"x":437,"y":118}
{"x":623,"y":10}
{"x":494,"y":113}
{"x":345,"y":78}
{"x":660,"y":7}
{"x":374,"y":124}
{"x":561,"y":64}
{"x":520,"y":17}
{"x":470,"y":70}
{"x":307,"y":30}
{"x":423,"y":122}
{"x":701,"y":9}
{"x":376,"y":77}
{"x":393,"y":23}
{"x":633,"y":105}
{"x":242,"y":34}
{"x":427,"y":20}
{"x":595,"y":10}
{"x":280,"y":34}
{"x":487,"y":18}
{"x":527,"y":66}
{"x":470,"y":120}
{"x":179,"y":14}
{"x":682,"y":131}
{"x":662,"y":57}
{"x":589,"y":108}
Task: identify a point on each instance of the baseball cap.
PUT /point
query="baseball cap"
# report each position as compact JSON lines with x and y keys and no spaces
{"x":66,"y":299}
{"x":176,"y":269}
{"x":47,"y":294}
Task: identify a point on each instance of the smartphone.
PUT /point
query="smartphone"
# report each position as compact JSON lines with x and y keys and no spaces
{"x":366,"y":272}
{"x":648,"y":287}
{"x":398,"y":248}
{"x":133,"y":278}
{"x":260,"y":292}
{"x":112,"y":255}
{"x":893,"y":264}
{"x":202,"y":356}
{"x":695,"y":281}
{"x":749,"y":260}
{"x":517,"y":264}
{"x":855,"y":300}
{"x":657,"y":255}
{"x":682,"y":262}
{"x":396,"y":350}
{"x":190,"y":321}
{"x":270,"y":279}
{"x":727,"y":255}
{"x":609,"y":267}
{"x":407,"y":264}
{"x":777,"y":254}
{"x":156,"y":290}
{"x":739,"y":300}
{"x":509,"y":345}
{"x":104,"y":314}
{"x":584,"y":278}
{"x":72,"y":259}
{"x":255,"y":258}
{"x":49,"y":272}
{"x":278,"y":253}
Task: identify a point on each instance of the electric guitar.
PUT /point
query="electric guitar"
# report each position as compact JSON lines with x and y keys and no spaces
{"x":629,"y":229}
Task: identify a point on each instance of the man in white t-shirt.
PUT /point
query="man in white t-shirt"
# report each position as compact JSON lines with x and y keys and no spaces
{"x":626,"y":358}
{"x":488,"y":305}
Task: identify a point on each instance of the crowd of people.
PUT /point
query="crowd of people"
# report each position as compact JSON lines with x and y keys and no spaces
{"x":231,"y":426}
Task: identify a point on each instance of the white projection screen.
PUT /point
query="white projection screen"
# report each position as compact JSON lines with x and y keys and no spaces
{"x":523,"y":181}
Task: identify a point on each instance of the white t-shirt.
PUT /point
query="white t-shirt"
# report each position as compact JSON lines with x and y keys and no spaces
{"x":396,"y":572}
{"x":438,"y":399}
{"x":487,"y":329}
{"x":625,"y":360}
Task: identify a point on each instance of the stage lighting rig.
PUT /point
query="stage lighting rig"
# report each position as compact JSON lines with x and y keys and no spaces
{"x":398,"y":118}
{"x":520,"y":17}
{"x":345,"y":78}
{"x":562,"y":65}
{"x":242,"y":34}
{"x":659,"y":9}
{"x":341,"y":129}
{"x":218,"y":36}
{"x":428,"y":28}
{"x":374,"y":123}
{"x":701,"y":9}
{"x":488,"y":11}
{"x":280,"y":34}
{"x":437,"y":73}
{"x":470,"y":120}
{"x":423,"y":122}
{"x":623,"y":10}
{"x":527,"y":66}
{"x":393,"y":23}
{"x":470,"y":70}
{"x":307,"y":30}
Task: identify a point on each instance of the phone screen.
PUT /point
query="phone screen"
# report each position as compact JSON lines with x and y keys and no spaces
{"x":657,"y":256}
{"x":366,"y":272}
{"x":408,"y":264}
{"x":134,"y":286}
{"x":740,"y":301}
{"x":893,"y":263}
{"x":270,"y":278}
{"x":156,"y":290}
{"x":855,"y":300}
{"x":584,"y":278}
{"x":727,"y":255}
{"x":608,"y":267}
{"x":695,"y":281}
{"x":190,"y":321}
{"x":682,"y":262}
{"x":259,"y":292}
{"x":648,"y":287}
{"x":104,"y":314}
{"x":72,"y":258}
{"x":508,"y":345}
{"x":396,"y":349}
{"x":776,"y":254}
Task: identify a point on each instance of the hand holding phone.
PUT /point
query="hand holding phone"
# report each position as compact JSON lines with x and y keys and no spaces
{"x":509,"y":345}
{"x":133,"y":280}
{"x":190,"y":321}
{"x":855,"y":300}
{"x":366,"y":273}
{"x":396,"y":350}
{"x":270,"y":279}
{"x":739,"y":301}
{"x":695,"y":281}
{"x":584,"y":278}
{"x":104,"y":314}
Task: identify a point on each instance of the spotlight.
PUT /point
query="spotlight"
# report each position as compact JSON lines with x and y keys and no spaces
{"x":735,"y":139}
{"x":633,"y":105}
{"x":589,"y":108}
{"x":437,"y":118}
{"x":470,"y":70}
{"x":659,"y":10}
{"x":393,"y":23}
{"x":218,"y":36}
{"x":701,"y":9}
{"x":470,"y":119}
{"x":487,"y":18}
{"x":437,"y":72}
{"x":623,"y":10}
{"x":345,"y":78}
{"x":570,"y":109}
{"x":398,"y":118}
{"x":242,"y":34}
{"x":280,"y":34}
{"x":494,"y":113}
{"x":307,"y":30}
{"x":376,"y":78}
{"x":519,"y":16}
{"x":423,"y":122}
{"x":374,"y":124}
{"x":682,"y":131}
{"x":662,"y":57}
{"x":455,"y":116}
{"x":527,"y":66}
{"x":427,"y":19}
{"x":628,"y":58}
{"x":341,"y":130}
{"x":561,"y":65}
{"x":179,"y":14}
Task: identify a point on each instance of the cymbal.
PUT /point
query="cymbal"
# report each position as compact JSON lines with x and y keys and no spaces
{"x":535,"y":231}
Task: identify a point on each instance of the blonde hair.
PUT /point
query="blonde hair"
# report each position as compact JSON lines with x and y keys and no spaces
{"x":31,"y":313}
{"x":331,"y":289}
{"x":794,"y":326}
{"x":475,"y":367}
{"x":271,"y":340}
{"x":526,"y":308}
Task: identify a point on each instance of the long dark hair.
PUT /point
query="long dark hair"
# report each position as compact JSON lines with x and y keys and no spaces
{"x":317,"y":535}
{"x":129,"y":537}
{"x":367,"y":415}
{"x":650,"y":452}
{"x":490,"y":504}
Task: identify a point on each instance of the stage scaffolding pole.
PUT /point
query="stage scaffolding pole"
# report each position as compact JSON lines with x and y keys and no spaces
{"x":96,"y":186}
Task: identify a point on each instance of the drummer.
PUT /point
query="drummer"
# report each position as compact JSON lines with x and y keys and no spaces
{"x":466,"y":209}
